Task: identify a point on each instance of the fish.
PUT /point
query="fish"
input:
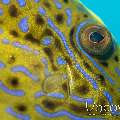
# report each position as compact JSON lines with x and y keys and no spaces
{"x":58,"y":61}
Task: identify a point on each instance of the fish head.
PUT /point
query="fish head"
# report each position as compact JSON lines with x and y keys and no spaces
{"x":56,"y":57}
{"x":91,"y":38}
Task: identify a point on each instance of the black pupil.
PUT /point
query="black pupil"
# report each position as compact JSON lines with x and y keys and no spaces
{"x":96,"y":37}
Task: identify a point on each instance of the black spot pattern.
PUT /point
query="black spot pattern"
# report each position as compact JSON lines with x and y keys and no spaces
{"x":14,"y":81}
{"x":83,"y":89}
{"x":116,"y":58}
{"x":47,"y":4}
{"x":11,"y":59}
{"x":105,"y":64}
{"x":30,"y":37}
{"x":14,"y":33}
{"x":39,"y":20}
{"x":78,"y":109}
{"x":65,"y":1}
{"x":85,"y":16}
{"x":101,"y":79}
{"x":58,"y":44}
{"x":49,"y":104}
{"x":59,"y":18}
{"x":21,"y":108}
{"x":49,"y":53}
{"x":65,"y":87}
{"x":48,"y":32}
{"x":87,"y":66}
{"x":13,"y":11}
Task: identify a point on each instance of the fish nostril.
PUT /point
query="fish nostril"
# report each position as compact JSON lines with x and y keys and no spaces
{"x":96,"y":37}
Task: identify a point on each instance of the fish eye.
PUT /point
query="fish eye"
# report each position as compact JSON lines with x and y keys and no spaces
{"x":96,"y":40}
{"x":96,"y":37}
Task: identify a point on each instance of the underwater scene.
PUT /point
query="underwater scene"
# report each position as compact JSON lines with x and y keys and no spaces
{"x":59,"y":60}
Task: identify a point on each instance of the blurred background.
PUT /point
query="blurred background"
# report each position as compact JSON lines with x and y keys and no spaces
{"x":109,"y":12}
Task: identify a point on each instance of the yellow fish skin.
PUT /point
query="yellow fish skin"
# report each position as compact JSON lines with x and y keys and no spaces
{"x":58,"y":61}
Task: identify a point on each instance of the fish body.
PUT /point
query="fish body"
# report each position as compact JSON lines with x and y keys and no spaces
{"x":58,"y":61}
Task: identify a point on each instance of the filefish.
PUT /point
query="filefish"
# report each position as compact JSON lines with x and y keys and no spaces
{"x":58,"y":61}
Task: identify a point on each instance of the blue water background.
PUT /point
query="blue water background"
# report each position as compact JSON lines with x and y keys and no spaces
{"x":109,"y":12}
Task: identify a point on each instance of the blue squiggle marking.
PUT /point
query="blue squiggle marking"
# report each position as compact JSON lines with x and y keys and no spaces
{"x":19,"y":45}
{"x":39,"y":94}
{"x":46,"y":41}
{"x":69,"y":14}
{"x":58,"y":4}
{"x":88,"y":100}
{"x":24,"y":47}
{"x":5,"y":1}
{"x":51,"y":24}
{"x":42,"y":11}
{"x":56,"y":95}
{"x":23,"y":25}
{"x":11,"y":92}
{"x":117,"y":70}
{"x":118,"y":89}
{"x":92,"y":81}
{"x":93,"y":61}
{"x":25,"y":71}
{"x":22,"y":3}
{"x":62,"y":113}
{"x":37,"y":1}
{"x":61,"y":61}
{"x":108,"y":96}
{"x":2,"y":65}
{"x":17,"y":115}
{"x":1,"y":30}
{"x":110,"y":100}
{"x":1,"y":11}
{"x":5,"y":41}
{"x":53,"y":94}
{"x":45,"y":62}
{"x":36,"y":52}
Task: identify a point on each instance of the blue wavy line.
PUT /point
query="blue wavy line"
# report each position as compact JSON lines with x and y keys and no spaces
{"x":53,"y":94}
{"x":51,"y":24}
{"x":56,"y":95}
{"x":88,"y":77}
{"x":61,"y":113}
{"x":61,"y":96}
{"x":69,"y":14}
{"x":5,"y":41}
{"x":110,"y":100}
{"x":17,"y":115}
{"x":58,"y":4}
{"x":2,"y":65}
{"x":25,"y":71}
{"x":21,"y":3}
{"x":42,"y":11}
{"x":23,"y":25}
{"x":86,"y":100}
{"x":117,"y":70}
{"x":5,"y":1}
{"x":11,"y":92}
